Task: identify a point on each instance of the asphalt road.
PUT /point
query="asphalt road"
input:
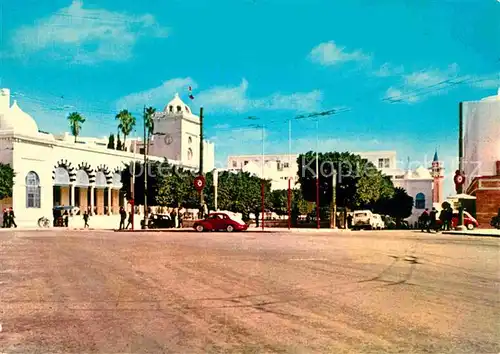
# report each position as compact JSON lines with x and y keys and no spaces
{"x":362,"y":292}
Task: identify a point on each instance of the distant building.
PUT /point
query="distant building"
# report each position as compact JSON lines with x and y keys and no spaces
{"x":280,"y":167}
{"x":55,"y":170}
{"x":482,"y":155}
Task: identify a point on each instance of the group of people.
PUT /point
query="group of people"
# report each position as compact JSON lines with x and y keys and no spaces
{"x":9,"y":218}
{"x":429,"y":220}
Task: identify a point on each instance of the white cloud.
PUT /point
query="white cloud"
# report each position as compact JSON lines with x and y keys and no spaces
{"x":157,"y":96}
{"x":388,"y":69}
{"x":328,"y":53}
{"x":85,"y":35}
{"x":223,"y":98}
{"x":420,"y":85}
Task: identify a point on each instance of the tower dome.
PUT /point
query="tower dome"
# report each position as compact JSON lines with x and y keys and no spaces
{"x":177,"y":106}
{"x":15,"y":119}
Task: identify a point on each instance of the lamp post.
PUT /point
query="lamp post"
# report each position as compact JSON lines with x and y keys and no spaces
{"x":290,"y":176}
{"x":318,"y":223}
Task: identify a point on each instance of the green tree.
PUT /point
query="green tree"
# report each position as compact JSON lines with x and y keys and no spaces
{"x":359,"y":183}
{"x":399,"y":205}
{"x":176,"y":188}
{"x":126,"y":125}
{"x":111,"y":141}
{"x":279,"y":201}
{"x":6,"y":180}
{"x":75,"y":120}
{"x":119,"y":145}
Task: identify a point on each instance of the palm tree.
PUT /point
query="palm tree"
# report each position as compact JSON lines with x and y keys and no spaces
{"x":127,"y":123}
{"x":150,"y":125}
{"x":75,"y":122}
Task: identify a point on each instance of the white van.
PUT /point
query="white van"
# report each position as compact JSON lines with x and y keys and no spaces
{"x":365,"y":219}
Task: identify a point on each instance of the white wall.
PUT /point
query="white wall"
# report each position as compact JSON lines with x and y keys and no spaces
{"x":413,"y":187}
{"x":481,"y":138}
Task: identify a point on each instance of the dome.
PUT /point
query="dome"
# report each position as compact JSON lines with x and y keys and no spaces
{"x":176,"y":106}
{"x":422,"y":173}
{"x":15,"y":119}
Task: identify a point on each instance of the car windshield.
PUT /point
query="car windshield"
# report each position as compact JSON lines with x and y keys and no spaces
{"x":360,"y":215}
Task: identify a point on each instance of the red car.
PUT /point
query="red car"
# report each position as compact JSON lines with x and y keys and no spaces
{"x":220,"y":221}
{"x":469,"y":221}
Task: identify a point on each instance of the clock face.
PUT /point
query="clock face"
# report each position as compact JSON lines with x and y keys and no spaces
{"x":168,"y":139}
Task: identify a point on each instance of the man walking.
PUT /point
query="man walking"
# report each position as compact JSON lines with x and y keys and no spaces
{"x":5,"y":222}
{"x":123,"y":217}
{"x":86,"y":219}
{"x":12,"y":217}
{"x":424,"y":220}
{"x":432,"y":224}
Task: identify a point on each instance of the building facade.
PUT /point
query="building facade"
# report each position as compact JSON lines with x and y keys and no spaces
{"x":482,"y":155}
{"x":278,"y":168}
{"x":52,"y":170}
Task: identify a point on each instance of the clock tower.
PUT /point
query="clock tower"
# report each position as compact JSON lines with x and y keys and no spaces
{"x":176,"y":133}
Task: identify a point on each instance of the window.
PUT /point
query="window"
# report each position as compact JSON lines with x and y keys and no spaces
{"x":179,"y":109}
{"x":384,"y":163}
{"x":186,"y":108}
{"x":190,"y":140}
{"x":235,"y":164}
{"x":279,"y":166}
{"x":245,"y":163}
{"x":190,"y":154}
{"x":171,"y":109}
{"x":286,"y":165}
{"x":32,"y":190}
{"x":420,"y":201}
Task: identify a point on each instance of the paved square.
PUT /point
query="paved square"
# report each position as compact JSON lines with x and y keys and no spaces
{"x":182,"y":292}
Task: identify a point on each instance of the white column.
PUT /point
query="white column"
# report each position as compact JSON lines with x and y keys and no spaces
{"x":72,"y":198}
{"x":109,"y":201}
{"x":92,"y":203}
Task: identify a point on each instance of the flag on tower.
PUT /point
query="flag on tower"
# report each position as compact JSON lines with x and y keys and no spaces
{"x":190,"y":91}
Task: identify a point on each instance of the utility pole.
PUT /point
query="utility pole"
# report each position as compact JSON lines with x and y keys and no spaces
{"x":145,"y":226}
{"x":318,"y":222}
{"x":132,"y":187}
{"x":333,"y":210}
{"x":202,"y":198}
{"x":460,"y":188}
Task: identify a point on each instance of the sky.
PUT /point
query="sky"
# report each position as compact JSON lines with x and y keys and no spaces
{"x":393,"y":71}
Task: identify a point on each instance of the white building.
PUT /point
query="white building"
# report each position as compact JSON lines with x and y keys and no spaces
{"x":481,"y":138}
{"x":278,"y":168}
{"x":54,"y":170}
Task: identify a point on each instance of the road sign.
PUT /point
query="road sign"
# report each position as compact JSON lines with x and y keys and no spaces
{"x":199,"y":183}
{"x":459,"y":178}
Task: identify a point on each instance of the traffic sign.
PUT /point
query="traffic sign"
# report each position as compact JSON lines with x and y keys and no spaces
{"x":199,"y":183}
{"x":459,"y":178}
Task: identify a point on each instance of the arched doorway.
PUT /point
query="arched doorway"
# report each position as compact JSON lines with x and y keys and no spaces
{"x":62,"y":182}
{"x":100,"y":192}
{"x":82,"y":190}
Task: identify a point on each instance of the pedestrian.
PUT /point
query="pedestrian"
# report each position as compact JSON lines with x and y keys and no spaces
{"x":432,"y":224}
{"x":130,"y":218}
{"x":175,"y":217}
{"x":182,"y":212}
{"x":5,"y":222}
{"x":86,"y":219}
{"x":449,"y":218}
{"x":12,"y":218}
{"x":66,"y":218}
{"x":123,"y":217}
{"x":424,"y":220}
{"x":349,"y":221}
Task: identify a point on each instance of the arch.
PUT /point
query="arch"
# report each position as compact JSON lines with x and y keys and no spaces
{"x":420,"y":201}
{"x":61,"y":178}
{"x":85,"y":166}
{"x":117,"y":180}
{"x":190,"y":140}
{"x":33,"y":190}
{"x":82,"y":179}
{"x":190,"y":154}
{"x":100,"y":180}
{"x":107,"y":173}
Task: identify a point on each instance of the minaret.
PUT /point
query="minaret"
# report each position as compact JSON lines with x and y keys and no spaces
{"x":437,"y":173}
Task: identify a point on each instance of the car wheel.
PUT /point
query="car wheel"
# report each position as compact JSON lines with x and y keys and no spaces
{"x":230,"y":228}
{"x":470,"y":226}
{"x":199,"y":228}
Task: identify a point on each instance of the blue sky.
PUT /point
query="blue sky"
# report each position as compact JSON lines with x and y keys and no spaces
{"x":395,"y":69}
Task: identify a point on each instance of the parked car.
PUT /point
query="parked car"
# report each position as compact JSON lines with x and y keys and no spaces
{"x":362,"y":219}
{"x":160,"y":221}
{"x":377,"y":222}
{"x":220,"y":221}
{"x":469,"y":221}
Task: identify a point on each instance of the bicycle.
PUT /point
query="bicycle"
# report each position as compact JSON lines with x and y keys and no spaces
{"x":43,"y":222}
